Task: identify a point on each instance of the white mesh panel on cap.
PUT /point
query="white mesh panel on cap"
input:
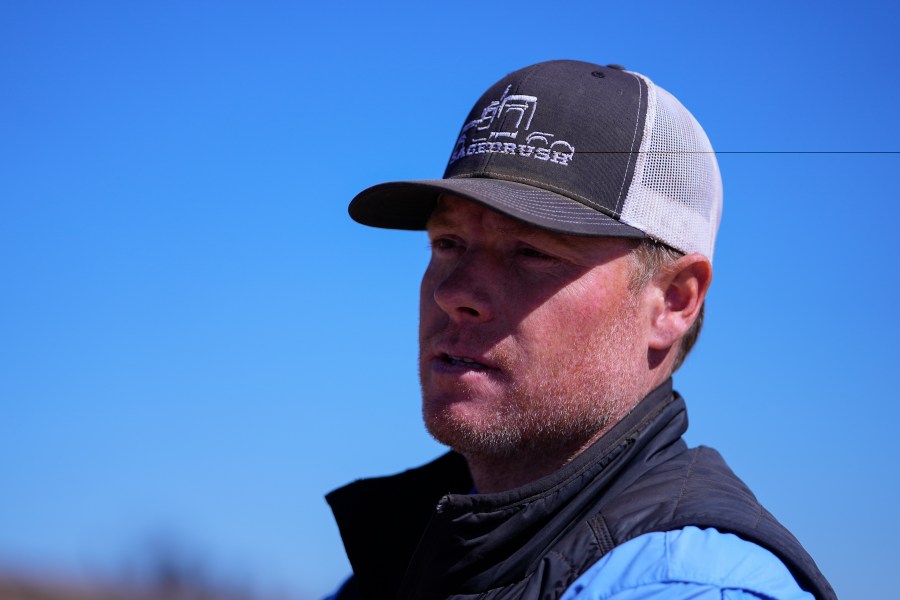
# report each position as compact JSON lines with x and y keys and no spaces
{"x":676,"y":193}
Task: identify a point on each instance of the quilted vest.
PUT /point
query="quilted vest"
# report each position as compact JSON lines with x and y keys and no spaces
{"x":421,"y":535}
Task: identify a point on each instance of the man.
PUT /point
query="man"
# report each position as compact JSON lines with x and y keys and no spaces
{"x":572,"y":237}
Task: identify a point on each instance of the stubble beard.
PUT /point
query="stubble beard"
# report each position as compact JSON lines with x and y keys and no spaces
{"x":558,"y":409}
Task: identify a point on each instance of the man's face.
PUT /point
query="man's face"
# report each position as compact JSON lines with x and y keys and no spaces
{"x":529,"y":340}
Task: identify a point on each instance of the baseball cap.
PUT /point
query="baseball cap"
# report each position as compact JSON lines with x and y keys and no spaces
{"x":575,"y":148}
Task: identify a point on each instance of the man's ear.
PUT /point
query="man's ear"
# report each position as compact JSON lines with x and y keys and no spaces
{"x":678,"y":293}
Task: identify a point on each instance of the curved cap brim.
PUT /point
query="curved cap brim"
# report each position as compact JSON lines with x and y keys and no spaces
{"x":409,"y":204}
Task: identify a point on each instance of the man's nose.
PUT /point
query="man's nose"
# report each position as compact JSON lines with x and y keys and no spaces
{"x":466,"y":292}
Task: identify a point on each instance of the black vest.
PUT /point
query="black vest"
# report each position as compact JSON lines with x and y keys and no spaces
{"x":420,"y":535}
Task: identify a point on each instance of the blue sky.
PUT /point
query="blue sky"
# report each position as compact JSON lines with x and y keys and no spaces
{"x":196,"y":343}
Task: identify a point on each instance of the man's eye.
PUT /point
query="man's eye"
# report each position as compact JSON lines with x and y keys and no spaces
{"x":443,"y":244}
{"x":532,"y":253}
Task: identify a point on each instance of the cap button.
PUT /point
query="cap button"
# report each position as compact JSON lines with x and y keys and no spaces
{"x":616,"y":67}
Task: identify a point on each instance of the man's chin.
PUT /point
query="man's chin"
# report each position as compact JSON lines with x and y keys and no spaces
{"x":502,"y":431}
{"x":461,"y":426}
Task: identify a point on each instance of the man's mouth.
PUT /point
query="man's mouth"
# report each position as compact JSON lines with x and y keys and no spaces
{"x":463,"y":361}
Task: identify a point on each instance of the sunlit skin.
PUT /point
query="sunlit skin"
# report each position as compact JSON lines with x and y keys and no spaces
{"x":532,"y":344}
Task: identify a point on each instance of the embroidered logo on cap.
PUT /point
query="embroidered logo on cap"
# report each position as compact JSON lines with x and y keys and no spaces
{"x":493,"y":134}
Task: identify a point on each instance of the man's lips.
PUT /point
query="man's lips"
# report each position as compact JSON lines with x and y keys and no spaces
{"x":463,"y":361}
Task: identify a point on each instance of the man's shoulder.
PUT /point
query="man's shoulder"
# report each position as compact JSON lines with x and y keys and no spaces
{"x":686,"y":563}
{"x":677,"y":490}
{"x":696,"y":488}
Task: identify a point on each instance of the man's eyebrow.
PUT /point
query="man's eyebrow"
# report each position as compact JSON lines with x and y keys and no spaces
{"x":442,"y":219}
{"x":544,"y":235}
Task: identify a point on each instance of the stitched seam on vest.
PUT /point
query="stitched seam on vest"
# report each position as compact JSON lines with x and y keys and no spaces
{"x":565,"y":559}
{"x":759,"y":516}
{"x":687,"y":478}
{"x":573,"y":570}
{"x":501,"y":587}
{"x":601,"y":533}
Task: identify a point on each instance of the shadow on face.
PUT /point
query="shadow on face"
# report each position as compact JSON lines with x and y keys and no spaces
{"x":489,"y":272}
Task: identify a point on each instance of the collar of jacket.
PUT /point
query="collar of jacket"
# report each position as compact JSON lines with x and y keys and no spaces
{"x":420,"y":529}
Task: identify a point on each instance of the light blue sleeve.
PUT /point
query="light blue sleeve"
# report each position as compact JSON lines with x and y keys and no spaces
{"x":687,"y":564}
